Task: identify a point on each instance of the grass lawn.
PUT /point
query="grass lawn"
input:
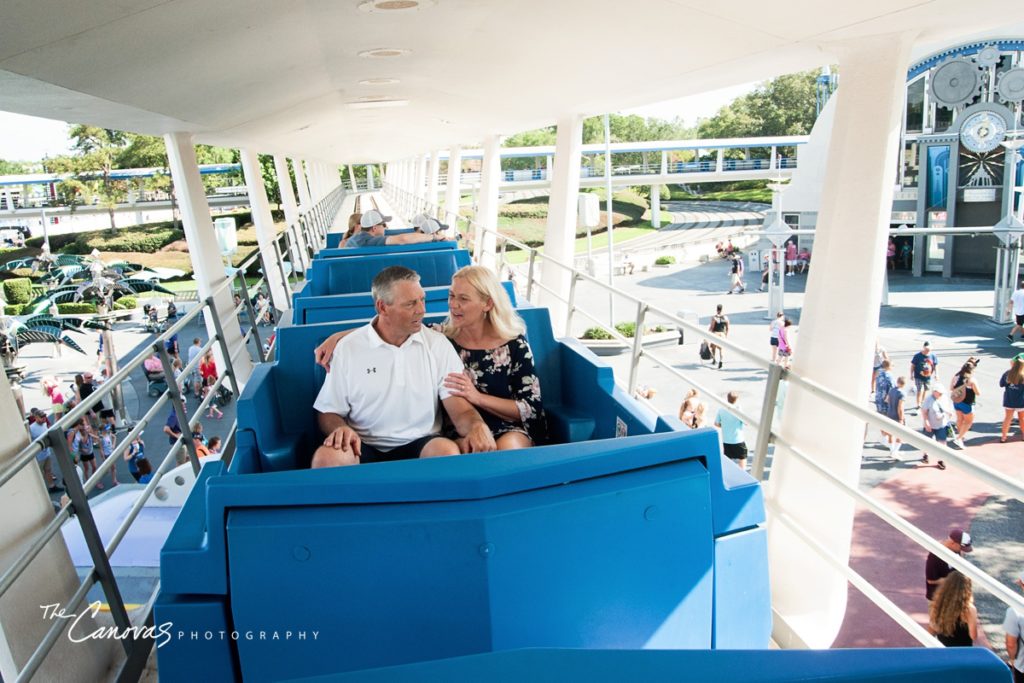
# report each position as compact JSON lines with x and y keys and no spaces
{"x":758,"y":194}
{"x":600,"y":242}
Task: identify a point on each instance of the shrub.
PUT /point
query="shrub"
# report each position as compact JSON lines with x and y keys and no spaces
{"x":126,"y":303}
{"x":76,"y":308}
{"x":664,"y":260}
{"x":626,"y":329}
{"x":18,"y":290}
{"x":596,"y":333}
{"x":13,"y":309}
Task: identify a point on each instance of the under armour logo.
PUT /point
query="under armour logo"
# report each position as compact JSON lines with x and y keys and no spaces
{"x":369,"y":370}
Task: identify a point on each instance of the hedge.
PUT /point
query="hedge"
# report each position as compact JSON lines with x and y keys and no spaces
{"x":18,"y":290}
{"x":126,"y":303}
{"x":664,"y":260}
{"x":13,"y":309}
{"x":76,"y":308}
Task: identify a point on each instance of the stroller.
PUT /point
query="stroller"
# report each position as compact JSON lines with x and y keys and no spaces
{"x":156,"y":382}
{"x":153,"y":324}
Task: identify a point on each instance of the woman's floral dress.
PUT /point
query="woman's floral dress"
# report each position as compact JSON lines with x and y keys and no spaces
{"x":507,"y":372}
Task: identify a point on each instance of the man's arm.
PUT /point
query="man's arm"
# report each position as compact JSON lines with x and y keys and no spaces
{"x":1011,"y":646}
{"x":339,"y":434}
{"x":413,"y":238}
{"x":469,"y":424}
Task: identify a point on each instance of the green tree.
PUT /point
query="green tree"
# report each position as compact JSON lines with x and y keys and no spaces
{"x":96,"y":151}
{"x":12,"y":167}
{"x":782,"y":106}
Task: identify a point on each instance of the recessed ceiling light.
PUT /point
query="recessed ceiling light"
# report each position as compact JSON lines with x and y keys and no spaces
{"x":376,"y":103}
{"x":385,"y":52}
{"x":379,"y":81}
{"x":395,"y":5}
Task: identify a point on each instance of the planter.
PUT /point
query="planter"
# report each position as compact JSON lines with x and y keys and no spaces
{"x":613,"y":347}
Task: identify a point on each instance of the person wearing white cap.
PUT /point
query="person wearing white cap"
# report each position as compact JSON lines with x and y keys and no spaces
{"x":374,"y":223}
{"x":937,"y":413}
{"x":1013,"y":625}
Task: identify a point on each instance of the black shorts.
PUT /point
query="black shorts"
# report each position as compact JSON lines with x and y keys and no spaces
{"x":409,"y":451}
{"x":86,"y":457}
{"x":1020,"y":320}
{"x":735,"y":451}
{"x":775,"y":341}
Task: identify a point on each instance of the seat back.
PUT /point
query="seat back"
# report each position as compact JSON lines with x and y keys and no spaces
{"x":347,"y":252}
{"x":345,"y":276}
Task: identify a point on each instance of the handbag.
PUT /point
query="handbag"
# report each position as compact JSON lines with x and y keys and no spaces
{"x":705,"y":351}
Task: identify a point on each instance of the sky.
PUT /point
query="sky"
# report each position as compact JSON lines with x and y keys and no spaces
{"x":27,"y":138}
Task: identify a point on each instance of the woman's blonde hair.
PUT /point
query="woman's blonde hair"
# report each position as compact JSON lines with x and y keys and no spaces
{"x":950,"y":603}
{"x":353,"y":224}
{"x":1016,"y":375}
{"x":506,"y":322}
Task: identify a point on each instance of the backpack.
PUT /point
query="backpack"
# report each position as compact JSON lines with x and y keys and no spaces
{"x":883,"y":383}
{"x":926,"y":367}
{"x":705,"y":351}
{"x":959,"y":393}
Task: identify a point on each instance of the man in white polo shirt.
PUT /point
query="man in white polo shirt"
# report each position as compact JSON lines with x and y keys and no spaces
{"x":380,"y":399}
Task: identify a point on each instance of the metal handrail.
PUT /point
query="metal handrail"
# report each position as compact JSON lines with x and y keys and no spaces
{"x":767,"y":435}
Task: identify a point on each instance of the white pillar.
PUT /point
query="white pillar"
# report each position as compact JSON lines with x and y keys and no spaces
{"x":839,"y":320}
{"x":421,"y":180}
{"x":352,"y":177}
{"x":656,"y":206}
{"x":51,"y":579}
{"x":203,"y":249}
{"x":452,"y":189}
{"x":307,"y":174}
{"x":277,"y":279}
{"x":370,"y":185}
{"x":435,"y":171}
{"x":305,"y":201}
{"x":560,"y":237}
{"x":487,"y":216}
{"x":291,"y":211}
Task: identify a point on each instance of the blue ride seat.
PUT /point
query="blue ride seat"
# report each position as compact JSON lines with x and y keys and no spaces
{"x":338,"y":307}
{"x":346,"y":276}
{"x":346,"y":252}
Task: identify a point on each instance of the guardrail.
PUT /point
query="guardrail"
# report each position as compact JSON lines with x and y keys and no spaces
{"x":313,"y":225}
{"x":762,"y":424}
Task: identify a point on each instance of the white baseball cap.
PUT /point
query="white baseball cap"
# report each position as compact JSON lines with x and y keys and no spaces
{"x":371,"y":218}
{"x":432,"y":225}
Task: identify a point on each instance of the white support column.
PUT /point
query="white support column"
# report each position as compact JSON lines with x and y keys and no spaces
{"x":305,"y":201}
{"x":560,"y":237}
{"x":453,"y":196}
{"x":277,"y":279}
{"x":420,"y":181}
{"x":352,"y":177}
{"x":839,"y":319}
{"x":487,"y":217}
{"x":773,"y":157}
{"x":291,"y":211}
{"x":51,"y":579}
{"x":656,"y":206}
{"x":435,"y":171}
{"x":719,"y":160}
{"x":664,"y":162}
{"x":203,"y":249}
{"x":370,"y":184}
{"x":307,"y":173}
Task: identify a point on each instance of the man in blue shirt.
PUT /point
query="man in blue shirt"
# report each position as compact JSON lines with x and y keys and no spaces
{"x":733,"y":444}
{"x":374,"y":224}
{"x":922,"y":368}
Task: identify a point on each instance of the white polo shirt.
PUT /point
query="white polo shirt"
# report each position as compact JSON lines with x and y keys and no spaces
{"x":389,"y":394}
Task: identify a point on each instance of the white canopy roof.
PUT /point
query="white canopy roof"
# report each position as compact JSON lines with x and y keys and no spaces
{"x":283,"y":75}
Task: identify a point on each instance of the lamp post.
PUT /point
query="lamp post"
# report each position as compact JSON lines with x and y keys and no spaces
{"x":777,"y":232}
{"x":1009,"y":230}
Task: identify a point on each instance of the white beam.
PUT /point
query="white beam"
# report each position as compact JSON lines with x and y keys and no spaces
{"x":277,"y":279}
{"x":305,"y":201}
{"x":204,"y":251}
{"x":432,"y":180}
{"x":839,"y":320}
{"x":560,"y":237}
{"x":452,"y":194}
{"x":291,"y":211}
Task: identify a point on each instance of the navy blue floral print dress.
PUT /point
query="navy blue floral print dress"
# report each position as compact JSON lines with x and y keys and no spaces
{"x":507,"y":372}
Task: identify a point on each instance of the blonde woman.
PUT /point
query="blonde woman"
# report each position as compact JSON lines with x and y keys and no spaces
{"x":353,"y":228}
{"x":691,"y":411}
{"x":952,"y":617}
{"x":499,"y":379}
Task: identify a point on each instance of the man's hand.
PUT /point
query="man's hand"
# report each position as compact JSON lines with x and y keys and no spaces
{"x":344,"y":438}
{"x":479,"y":439}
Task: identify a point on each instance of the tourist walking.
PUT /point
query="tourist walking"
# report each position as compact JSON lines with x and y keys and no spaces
{"x":964,"y":394}
{"x":880,"y":356}
{"x":1015,"y":307}
{"x":937,"y":414}
{"x":952,"y":616}
{"x":1013,"y":626}
{"x":894,"y":409}
{"x":923,"y":367}
{"x":785,"y":344}
{"x":733,"y":442}
{"x":720,"y":328}
{"x":773,"y":331}
{"x":691,"y":411}
{"x":1012,"y":383}
{"x":937,"y":569}
{"x":736,"y":285}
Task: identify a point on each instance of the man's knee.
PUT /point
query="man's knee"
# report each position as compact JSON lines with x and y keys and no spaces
{"x":325,"y":456}
{"x":439,"y":447}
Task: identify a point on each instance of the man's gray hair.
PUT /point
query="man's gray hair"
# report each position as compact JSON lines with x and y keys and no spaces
{"x":383,"y":285}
